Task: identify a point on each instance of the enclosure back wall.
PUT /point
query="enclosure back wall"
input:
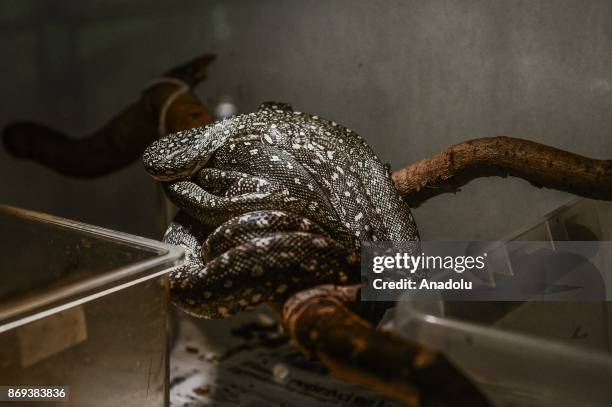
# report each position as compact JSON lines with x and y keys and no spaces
{"x":411,"y":77}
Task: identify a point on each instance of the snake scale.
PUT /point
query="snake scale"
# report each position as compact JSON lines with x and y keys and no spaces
{"x":271,"y":202}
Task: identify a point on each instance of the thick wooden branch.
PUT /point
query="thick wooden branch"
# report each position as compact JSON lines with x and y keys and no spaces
{"x":320,"y":323}
{"x":541,"y":165}
{"x":122,"y":139}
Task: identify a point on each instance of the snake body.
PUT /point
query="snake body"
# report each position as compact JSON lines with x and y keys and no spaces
{"x":271,"y":202}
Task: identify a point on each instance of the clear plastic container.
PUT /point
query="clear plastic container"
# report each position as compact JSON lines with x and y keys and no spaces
{"x":85,"y":307}
{"x":532,"y":353}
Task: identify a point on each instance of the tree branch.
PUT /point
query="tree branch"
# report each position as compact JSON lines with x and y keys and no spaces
{"x":122,"y":139}
{"x":354,"y":350}
{"x":541,"y":165}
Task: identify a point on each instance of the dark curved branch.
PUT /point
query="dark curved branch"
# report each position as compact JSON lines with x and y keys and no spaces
{"x":320,"y":323}
{"x":541,"y":165}
{"x":122,"y":139}
{"x":192,"y":72}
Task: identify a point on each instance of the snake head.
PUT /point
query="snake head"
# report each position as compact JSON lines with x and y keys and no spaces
{"x":180,"y":155}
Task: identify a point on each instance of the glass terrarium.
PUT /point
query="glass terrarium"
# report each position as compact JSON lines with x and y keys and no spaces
{"x":84,"y":307}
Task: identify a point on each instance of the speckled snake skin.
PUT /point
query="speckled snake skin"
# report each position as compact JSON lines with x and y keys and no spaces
{"x":271,"y":202}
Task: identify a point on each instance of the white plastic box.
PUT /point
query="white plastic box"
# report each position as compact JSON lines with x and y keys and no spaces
{"x":535,"y":353}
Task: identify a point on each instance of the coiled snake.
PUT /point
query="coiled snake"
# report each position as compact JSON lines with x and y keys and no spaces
{"x":271,"y":202}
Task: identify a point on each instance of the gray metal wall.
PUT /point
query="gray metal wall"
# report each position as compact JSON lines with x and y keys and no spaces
{"x":411,"y":76}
